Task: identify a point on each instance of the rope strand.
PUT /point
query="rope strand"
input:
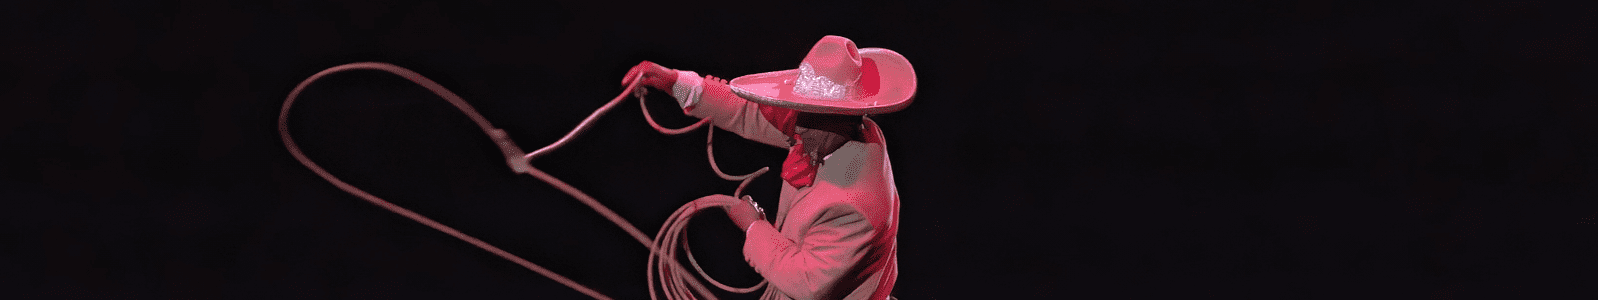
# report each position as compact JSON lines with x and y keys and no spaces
{"x":294,"y":149}
{"x":676,"y":281}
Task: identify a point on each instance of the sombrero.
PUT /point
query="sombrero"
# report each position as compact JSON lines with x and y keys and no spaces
{"x":836,"y":78}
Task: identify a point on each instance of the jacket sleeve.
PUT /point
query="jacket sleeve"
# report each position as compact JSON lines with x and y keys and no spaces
{"x":710,"y":99}
{"x":825,"y":263}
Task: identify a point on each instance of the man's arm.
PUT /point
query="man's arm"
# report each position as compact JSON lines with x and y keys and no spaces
{"x":827,"y":262}
{"x":710,"y":98}
{"x":716,"y":101}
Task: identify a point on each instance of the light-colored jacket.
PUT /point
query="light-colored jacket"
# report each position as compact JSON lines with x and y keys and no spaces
{"x":834,"y":239}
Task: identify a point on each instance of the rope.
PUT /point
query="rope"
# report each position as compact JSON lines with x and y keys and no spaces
{"x":671,"y":238}
{"x":673,"y":234}
{"x":676,"y":281}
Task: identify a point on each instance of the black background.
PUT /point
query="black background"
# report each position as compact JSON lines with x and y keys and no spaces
{"x":1098,"y":150}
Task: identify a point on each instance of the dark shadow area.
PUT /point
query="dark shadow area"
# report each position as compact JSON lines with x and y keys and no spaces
{"x":1091,"y":150}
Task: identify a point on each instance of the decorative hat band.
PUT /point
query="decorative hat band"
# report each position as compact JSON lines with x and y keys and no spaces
{"x":812,"y":85}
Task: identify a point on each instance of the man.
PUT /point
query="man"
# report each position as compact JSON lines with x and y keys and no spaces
{"x":834,"y":236}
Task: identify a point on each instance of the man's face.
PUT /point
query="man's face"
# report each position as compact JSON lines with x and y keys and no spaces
{"x":808,"y":134}
{"x":817,"y":141}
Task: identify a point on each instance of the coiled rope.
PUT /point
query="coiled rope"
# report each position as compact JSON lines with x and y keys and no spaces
{"x":663,"y":268}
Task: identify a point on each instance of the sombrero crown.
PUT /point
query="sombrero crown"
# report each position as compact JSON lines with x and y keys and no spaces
{"x":836,"y":78}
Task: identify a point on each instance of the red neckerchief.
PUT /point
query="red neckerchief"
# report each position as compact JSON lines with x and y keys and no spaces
{"x":799,"y":169}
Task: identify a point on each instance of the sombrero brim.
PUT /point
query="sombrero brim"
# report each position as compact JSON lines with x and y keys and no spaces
{"x":887,"y":84}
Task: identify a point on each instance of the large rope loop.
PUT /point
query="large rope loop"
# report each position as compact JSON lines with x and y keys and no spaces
{"x":676,"y":281}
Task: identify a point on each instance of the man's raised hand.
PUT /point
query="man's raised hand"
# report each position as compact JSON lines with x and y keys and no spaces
{"x":655,"y":76}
